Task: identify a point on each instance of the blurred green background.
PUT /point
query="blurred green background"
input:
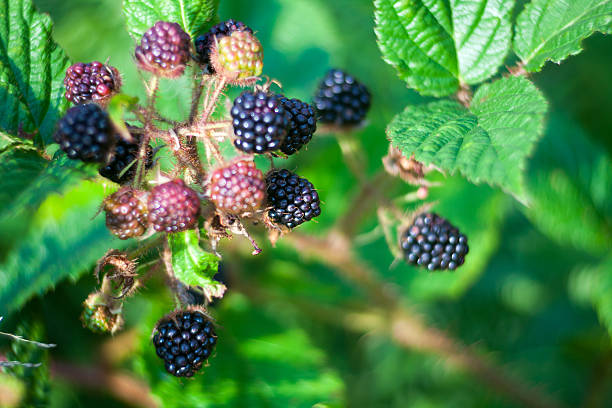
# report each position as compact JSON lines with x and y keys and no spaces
{"x":526,"y":296}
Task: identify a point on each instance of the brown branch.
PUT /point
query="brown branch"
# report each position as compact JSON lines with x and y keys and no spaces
{"x":122,"y":386}
{"x":366,"y":200}
{"x":464,"y":95}
{"x":409,"y":330}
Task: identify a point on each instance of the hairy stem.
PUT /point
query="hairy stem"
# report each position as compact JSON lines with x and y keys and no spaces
{"x":144,"y":140}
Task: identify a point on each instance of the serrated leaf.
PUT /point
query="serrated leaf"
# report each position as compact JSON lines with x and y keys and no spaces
{"x":570,"y":188}
{"x":195,"y":16}
{"x":33,"y":179}
{"x":553,"y":29}
{"x":194,"y":266}
{"x":487,"y":143}
{"x":63,"y":242}
{"x":437,"y":45}
{"x":32,"y":69}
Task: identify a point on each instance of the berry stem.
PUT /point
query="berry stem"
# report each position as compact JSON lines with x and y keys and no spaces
{"x":353,"y":154}
{"x":148,"y":128}
{"x":211,"y":102}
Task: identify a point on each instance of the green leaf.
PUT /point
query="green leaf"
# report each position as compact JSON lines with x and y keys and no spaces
{"x":117,"y":108}
{"x":32,"y":69}
{"x":570,"y":188}
{"x":194,"y":266}
{"x":33,"y":179}
{"x":437,"y":45}
{"x":553,"y":29}
{"x":593,"y":284}
{"x":488,"y":143}
{"x":63,"y":242}
{"x":195,"y":16}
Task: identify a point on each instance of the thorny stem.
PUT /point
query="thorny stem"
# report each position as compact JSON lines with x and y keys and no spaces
{"x":144,"y":140}
{"x":211,"y":102}
{"x":195,"y":97}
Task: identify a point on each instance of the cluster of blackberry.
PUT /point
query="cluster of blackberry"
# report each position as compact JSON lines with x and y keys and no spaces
{"x":168,"y":207}
{"x":262,"y":122}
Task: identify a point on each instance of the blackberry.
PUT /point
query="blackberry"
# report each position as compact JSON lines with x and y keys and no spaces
{"x":86,"y":133}
{"x":260,"y":122}
{"x":237,"y":188}
{"x":237,"y":57}
{"x":292,"y":200}
{"x":126,"y":213}
{"x":184,"y":340}
{"x":302,"y":125}
{"x":203,"y":43}
{"x":341,"y":100}
{"x":173,"y":207}
{"x":93,"y":81}
{"x":164,"y":50}
{"x":434,"y":243}
{"x":124,"y":154}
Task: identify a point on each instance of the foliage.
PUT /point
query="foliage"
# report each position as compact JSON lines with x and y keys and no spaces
{"x":534,"y":294}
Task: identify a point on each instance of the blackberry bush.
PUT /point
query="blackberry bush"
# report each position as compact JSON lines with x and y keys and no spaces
{"x":127,"y":213}
{"x":122,"y":166}
{"x":341,"y":100}
{"x":86,"y":133}
{"x":184,"y":340}
{"x":292,"y":200}
{"x":237,"y":188}
{"x":204,"y":43}
{"x":302,"y":125}
{"x":91,"y":82}
{"x":164,"y":50}
{"x":260,"y":122}
{"x":173,"y":207}
{"x":237,"y":57}
{"x":434,"y":243}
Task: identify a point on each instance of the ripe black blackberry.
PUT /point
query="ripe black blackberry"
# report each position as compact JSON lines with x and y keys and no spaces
{"x":86,"y":133}
{"x":237,"y":188}
{"x":292,"y":200}
{"x":93,"y":81}
{"x":173,"y":207}
{"x":434,"y":243}
{"x":126,"y":213}
{"x":124,"y":154}
{"x":204,"y":42}
{"x":184,"y":340}
{"x":260,"y":122}
{"x":164,"y":50}
{"x":341,"y":100}
{"x":302,"y":125}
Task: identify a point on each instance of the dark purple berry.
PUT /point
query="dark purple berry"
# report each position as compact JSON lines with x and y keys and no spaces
{"x":292,"y":200}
